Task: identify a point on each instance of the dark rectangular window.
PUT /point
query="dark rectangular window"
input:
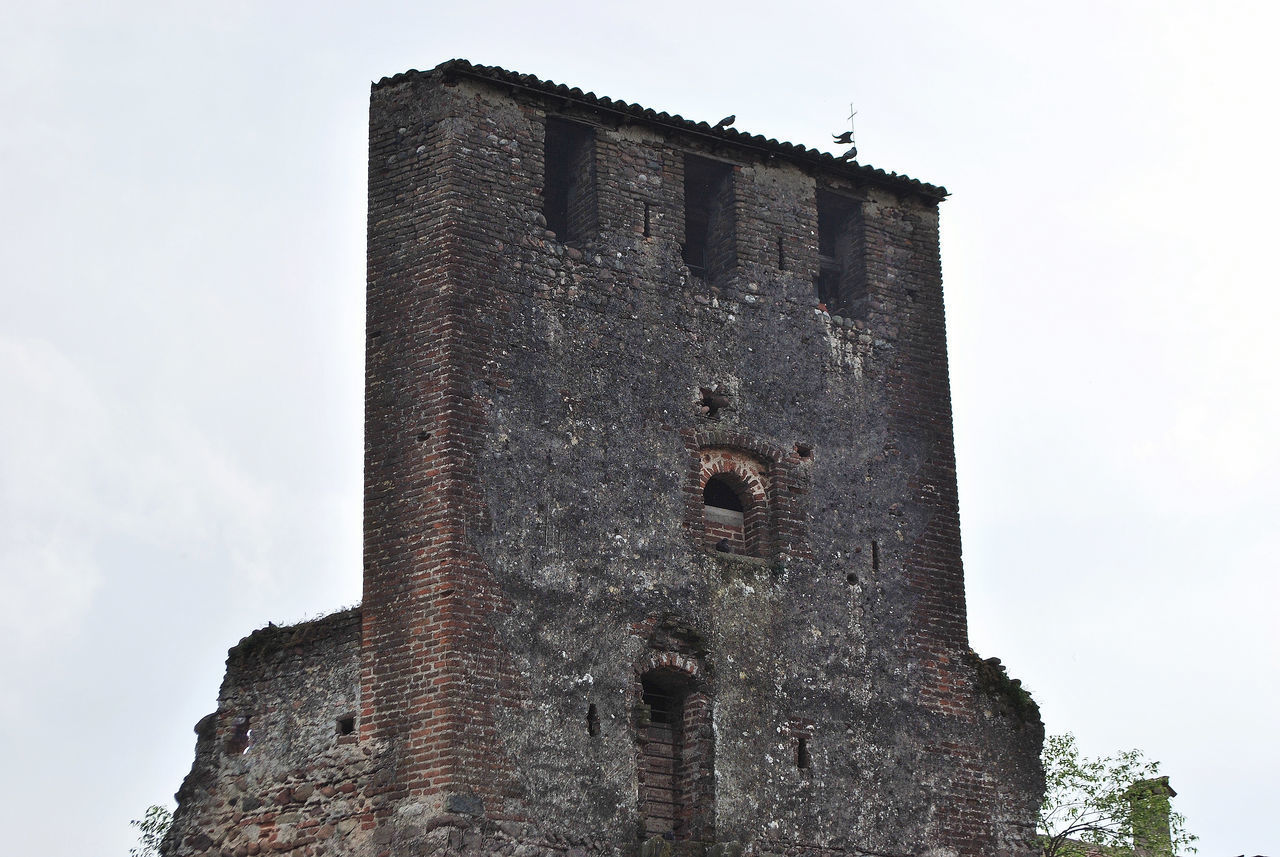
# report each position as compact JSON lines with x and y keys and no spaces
{"x":569,"y":188}
{"x":841,"y":283}
{"x":708,"y":217}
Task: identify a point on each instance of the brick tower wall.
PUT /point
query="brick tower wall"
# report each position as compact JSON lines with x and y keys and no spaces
{"x":541,"y":420}
{"x":534,"y":418}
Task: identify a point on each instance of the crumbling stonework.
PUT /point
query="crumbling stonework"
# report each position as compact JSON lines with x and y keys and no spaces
{"x":662,"y":547}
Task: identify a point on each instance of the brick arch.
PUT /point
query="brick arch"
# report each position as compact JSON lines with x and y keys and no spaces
{"x":767,"y":453}
{"x":783,"y":472}
{"x":688,"y":666}
{"x":749,"y":478}
{"x":740,"y":472}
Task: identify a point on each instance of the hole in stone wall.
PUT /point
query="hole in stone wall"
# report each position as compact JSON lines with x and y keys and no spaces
{"x":237,"y":743}
{"x":426,"y":435}
{"x":660,"y":760}
{"x":713,"y":401}
{"x":662,"y":697}
{"x":646,"y":220}
{"x":851,"y":578}
{"x":804,"y":450}
{"x":593,"y":720}
{"x":346,"y":724}
{"x":568,"y":192}
{"x":802,"y":753}
{"x":875,"y":556}
{"x":724,"y":516}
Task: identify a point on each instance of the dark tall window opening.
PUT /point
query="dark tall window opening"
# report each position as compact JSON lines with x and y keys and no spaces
{"x":841,"y":283}
{"x":569,"y":189}
{"x":675,"y":758}
{"x":708,"y":217}
{"x":660,"y":757}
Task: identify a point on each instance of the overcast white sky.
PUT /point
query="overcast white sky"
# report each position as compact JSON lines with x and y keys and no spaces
{"x":182,"y":196}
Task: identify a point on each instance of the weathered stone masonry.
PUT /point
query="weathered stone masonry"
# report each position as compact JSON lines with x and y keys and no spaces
{"x":662,"y":543}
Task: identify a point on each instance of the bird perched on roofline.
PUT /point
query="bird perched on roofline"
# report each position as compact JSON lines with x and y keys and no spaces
{"x":725,"y":122}
{"x":850,"y":155}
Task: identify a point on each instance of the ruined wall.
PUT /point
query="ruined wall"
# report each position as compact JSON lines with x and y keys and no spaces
{"x":274,"y":770}
{"x":541,"y":590}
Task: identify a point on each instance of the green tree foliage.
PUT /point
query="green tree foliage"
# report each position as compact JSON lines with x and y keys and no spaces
{"x":152,"y":828}
{"x":1115,"y":805}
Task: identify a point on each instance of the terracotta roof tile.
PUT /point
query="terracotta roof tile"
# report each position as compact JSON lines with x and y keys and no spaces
{"x":829,"y":162}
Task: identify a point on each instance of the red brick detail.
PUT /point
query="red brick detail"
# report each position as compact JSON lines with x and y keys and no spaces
{"x":672,"y":662}
{"x":745,"y":475}
{"x":432,"y":677}
{"x":906,"y":309}
{"x":772,"y":480}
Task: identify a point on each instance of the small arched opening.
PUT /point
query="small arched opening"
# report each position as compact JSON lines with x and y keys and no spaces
{"x":734,"y":515}
{"x":725,"y":516}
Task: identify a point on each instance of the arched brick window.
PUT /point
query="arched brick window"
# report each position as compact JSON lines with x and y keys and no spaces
{"x":735,"y":513}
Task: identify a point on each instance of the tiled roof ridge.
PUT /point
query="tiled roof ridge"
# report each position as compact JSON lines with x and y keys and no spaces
{"x":866,"y":173}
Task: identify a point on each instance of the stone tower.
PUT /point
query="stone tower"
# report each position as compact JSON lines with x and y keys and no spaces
{"x":662,"y":546}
